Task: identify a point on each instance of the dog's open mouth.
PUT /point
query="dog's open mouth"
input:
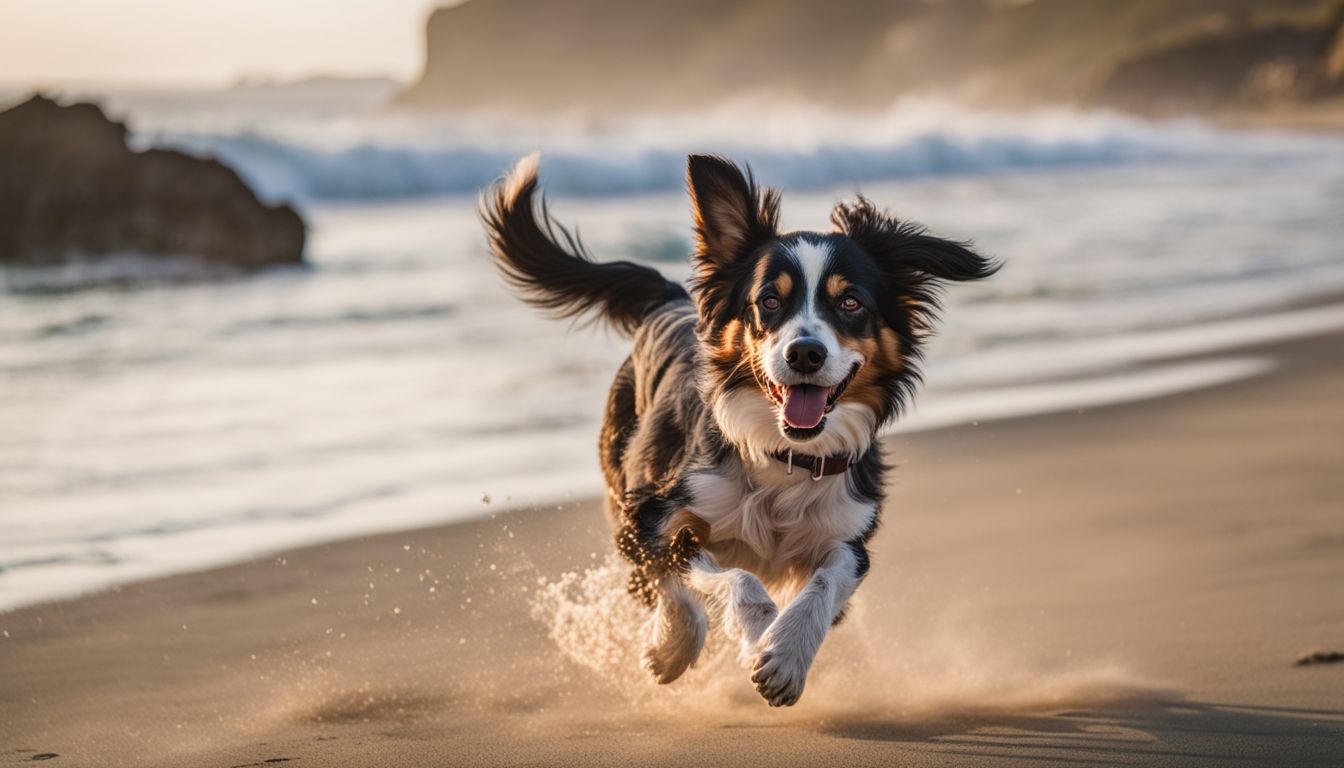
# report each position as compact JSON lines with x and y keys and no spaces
{"x":803,"y":406}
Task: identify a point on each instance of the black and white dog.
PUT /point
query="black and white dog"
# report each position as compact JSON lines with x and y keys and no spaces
{"x":740,"y":437}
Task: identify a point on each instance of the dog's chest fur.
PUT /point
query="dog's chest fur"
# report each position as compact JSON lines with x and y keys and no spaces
{"x":662,"y":437}
{"x":769,"y":522}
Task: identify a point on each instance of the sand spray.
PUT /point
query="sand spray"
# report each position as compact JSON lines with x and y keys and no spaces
{"x":862,"y":672}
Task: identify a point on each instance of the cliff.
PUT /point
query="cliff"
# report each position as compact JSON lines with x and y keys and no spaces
{"x":72,"y":188}
{"x":616,"y":56}
{"x":544,"y":55}
{"x":1239,"y":66}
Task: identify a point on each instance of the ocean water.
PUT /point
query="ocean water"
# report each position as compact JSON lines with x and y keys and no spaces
{"x":157,"y":419}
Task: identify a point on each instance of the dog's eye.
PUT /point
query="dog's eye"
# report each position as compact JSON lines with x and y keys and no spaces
{"x":770,"y":302}
{"x":850,"y":304}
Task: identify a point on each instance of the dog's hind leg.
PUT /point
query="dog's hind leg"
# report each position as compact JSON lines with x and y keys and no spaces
{"x":738,"y":597}
{"x":675,"y":633}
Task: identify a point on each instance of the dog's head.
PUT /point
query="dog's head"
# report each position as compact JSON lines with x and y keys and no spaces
{"x":810,"y":340}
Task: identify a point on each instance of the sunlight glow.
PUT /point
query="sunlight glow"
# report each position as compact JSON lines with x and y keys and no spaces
{"x":207,"y":42}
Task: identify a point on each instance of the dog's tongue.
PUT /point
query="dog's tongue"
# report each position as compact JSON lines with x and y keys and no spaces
{"x":804,"y":406}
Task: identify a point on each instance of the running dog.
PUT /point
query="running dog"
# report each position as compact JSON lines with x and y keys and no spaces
{"x":739,"y":443}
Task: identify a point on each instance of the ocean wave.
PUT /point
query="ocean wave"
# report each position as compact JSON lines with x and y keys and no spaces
{"x":82,"y":324}
{"x":280,"y":169}
{"x":357,"y":316}
{"x":386,"y":164}
{"x":121,"y":270}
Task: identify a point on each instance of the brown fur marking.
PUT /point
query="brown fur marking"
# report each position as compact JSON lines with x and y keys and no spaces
{"x":836,"y":285}
{"x":882,"y":359}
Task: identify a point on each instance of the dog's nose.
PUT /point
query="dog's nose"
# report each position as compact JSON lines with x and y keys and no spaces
{"x":805,"y":355}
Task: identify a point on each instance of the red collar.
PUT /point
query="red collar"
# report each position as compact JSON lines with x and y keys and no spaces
{"x":817,"y":466}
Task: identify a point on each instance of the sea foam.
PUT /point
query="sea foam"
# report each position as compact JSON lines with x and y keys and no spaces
{"x":795,"y":147}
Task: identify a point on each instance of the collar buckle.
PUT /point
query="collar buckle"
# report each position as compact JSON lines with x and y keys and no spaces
{"x":817,"y":466}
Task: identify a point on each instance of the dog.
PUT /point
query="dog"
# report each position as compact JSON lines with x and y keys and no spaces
{"x":739,"y":442}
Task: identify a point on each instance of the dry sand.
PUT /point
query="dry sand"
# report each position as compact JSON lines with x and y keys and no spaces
{"x":1124,"y":586}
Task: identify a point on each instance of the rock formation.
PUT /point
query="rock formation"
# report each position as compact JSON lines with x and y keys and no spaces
{"x":71,"y":188}
{"x":1233,"y":66}
{"x":616,"y":56}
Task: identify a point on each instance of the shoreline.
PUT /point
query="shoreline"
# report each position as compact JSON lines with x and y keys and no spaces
{"x":1129,"y":368}
{"x":1132,"y":582}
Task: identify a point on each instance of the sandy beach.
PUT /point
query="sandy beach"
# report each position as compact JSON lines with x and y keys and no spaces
{"x":290,"y":476}
{"x":1130,"y":585}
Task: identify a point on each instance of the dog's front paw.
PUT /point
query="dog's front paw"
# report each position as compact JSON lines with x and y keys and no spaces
{"x":780,"y":672}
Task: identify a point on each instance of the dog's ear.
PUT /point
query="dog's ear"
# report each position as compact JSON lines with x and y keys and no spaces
{"x":916,"y":264}
{"x":732,"y":215}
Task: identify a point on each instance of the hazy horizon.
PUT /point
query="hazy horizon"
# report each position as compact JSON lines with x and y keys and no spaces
{"x":63,"y":43}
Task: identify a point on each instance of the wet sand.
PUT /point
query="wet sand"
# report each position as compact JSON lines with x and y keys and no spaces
{"x":1123,"y":586}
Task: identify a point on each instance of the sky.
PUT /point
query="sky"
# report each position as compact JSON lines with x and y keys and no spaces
{"x":207,"y":42}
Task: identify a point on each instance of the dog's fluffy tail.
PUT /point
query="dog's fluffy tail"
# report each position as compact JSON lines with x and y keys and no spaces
{"x":549,"y":267}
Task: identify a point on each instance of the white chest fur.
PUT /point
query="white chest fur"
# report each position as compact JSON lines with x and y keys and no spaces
{"x":784,"y":521}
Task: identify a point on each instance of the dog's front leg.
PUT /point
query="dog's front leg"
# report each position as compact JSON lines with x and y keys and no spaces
{"x":738,"y":597}
{"x":792,"y":641}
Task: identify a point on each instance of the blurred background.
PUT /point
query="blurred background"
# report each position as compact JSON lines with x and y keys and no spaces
{"x":245,"y":302}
